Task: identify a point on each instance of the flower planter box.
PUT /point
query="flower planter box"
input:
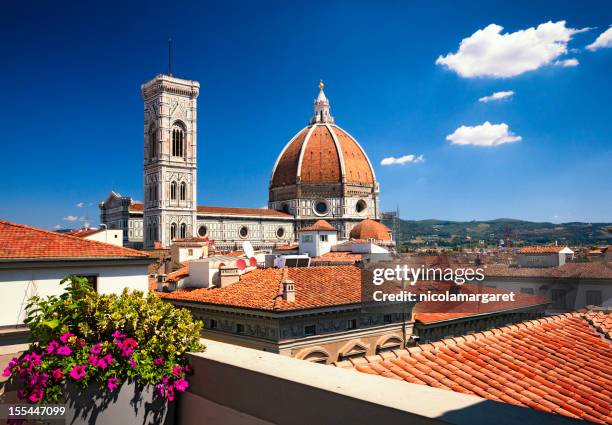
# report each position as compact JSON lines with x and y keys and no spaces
{"x":130,"y":404}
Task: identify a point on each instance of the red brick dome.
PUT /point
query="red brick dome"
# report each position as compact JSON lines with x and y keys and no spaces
{"x":371,"y":229}
{"x":322,"y":153}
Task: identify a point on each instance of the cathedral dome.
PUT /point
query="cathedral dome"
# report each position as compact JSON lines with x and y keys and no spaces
{"x":322,"y":153}
{"x":371,"y":229}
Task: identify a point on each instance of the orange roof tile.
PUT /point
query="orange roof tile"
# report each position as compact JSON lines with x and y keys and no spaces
{"x":18,"y":241}
{"x":558,"y":364}
{"x":259,"y":289}
{"x":338,"y":257}
{"x":136,"y":206}
{"x":177,"y":275}
{"x":319,"y":225}
{"x":551,"y":249}
{"x":590,"y":270}
{"x":242,"y":211}
{"x":371,"y":229}
{"x":289,"y":247}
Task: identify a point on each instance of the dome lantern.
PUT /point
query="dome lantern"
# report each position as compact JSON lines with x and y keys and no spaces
{"x":321,"y":108}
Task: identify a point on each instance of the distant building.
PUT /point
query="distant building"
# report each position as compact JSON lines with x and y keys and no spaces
{"x":322,"y":173}
{"x":102,"y":234}
{"x":34,"y":261}
{"x":318,"y":239}
{"x":544,"y":256}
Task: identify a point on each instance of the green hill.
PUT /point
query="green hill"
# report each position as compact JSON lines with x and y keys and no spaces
{"x":519,"y":232}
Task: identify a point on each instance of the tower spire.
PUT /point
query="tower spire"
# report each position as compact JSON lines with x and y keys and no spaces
{"x":170,"y":57}
{"x":321,"y":108}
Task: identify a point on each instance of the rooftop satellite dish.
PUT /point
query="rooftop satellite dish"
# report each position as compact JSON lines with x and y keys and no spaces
{"x":248,"y":249}
{"x":241,"y":264}
{"x":252,"y":261}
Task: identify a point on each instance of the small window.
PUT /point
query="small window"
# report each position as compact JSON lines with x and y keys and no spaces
{"x":183,"y":230}
{"x":239,"y":328}
{"x":351,"y":324}
{"x":173,"y":191}
{"x":361,"y":206}
{"x":183,"y":191}
{"x":243,"y":232}
{"x":92,"y":281}
{"x":323,"y":238}
{"x":280,"y":232}
{"x":173,"y":228}
{"x":310,"y":330}
{"x":190,"y":251}
{"x":593,"y":298}
{"x":387,"y":318}
{"x":306,"y":238}
{"x":527,"y":291}
{"x":212,"y":324}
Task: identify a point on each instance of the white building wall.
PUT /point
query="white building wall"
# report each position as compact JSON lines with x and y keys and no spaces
{"x":111,"y":236}
{"x":17,"y":286}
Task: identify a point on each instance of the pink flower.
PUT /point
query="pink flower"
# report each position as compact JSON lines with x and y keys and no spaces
{"x":105,"y":361}
{"x":64,"y":350}
{"x":53,"y":345}
{"x":177,"y":370}
{"x":81,"y":342}
{"x":36,"y":395}
{"x":170,"y":393}
{"x":118,"y":335}
{"x":77,"y":372}
{"x":127,"y":346}
{"x":96,"y":348}
{"x":57,"y":374}
{"x":35,"y":359}
{"x":65,"y":337}
{"x":7,"y":372}
{"x":187,"y":369}
{"x":181,"y":384}
{"x":132,"y":362}
{"x":158,"y":361}
{"x":112,"y":384}
{"x":93,"y":360}
{"x":160,"y":390}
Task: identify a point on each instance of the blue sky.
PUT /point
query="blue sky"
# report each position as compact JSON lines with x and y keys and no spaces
{"x":72,"y":112}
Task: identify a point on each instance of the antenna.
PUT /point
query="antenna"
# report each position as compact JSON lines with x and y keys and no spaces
{"x":170,"y":57}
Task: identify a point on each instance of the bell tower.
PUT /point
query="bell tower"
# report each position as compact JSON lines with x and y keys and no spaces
{"x":170,"y":159}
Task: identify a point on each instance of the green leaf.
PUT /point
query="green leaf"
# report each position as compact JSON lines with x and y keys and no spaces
{"x":53,"y":323}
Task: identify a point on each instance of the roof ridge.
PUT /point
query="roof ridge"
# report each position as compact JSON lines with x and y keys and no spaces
{"x":68,"y":236}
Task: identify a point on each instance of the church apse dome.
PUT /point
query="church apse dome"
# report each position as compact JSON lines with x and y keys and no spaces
{"x":323,"y":172}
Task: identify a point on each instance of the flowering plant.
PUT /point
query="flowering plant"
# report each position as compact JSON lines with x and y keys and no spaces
{"x":82,"y":337}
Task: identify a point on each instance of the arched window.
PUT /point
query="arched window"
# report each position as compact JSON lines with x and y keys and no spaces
{"x":173,"y":191}
{"x":178,"y":140}
{"x":152,"y":142}
{"x":183,"y":231}
{"x":183,"y":191}
{"x":173,"y":231}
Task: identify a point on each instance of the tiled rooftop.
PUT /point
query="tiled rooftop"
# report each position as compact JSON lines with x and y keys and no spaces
{"x":371,"y":229}
{"x":202,"y":209}
{"x":338,"y":257}
{"x":559,"y":364}
{"x":18,"y":241}
{"x":590,"y":270}
{"x":551,"y":249}
{"x":260,"y":288}
{"x":319,"y":225}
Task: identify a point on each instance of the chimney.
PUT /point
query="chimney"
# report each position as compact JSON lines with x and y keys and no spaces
{"x":161,"y":279}
{"x":288,"y":287}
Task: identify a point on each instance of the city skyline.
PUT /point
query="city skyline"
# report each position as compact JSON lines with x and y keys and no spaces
{"x":457,"y":128}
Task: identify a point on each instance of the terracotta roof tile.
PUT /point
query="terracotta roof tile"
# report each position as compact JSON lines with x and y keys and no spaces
{"x":259,"y":289}
{"x":258,"y":212}
{"x":559,"y":365}
{"x":371,"y":229}
{"x":319,"y":225}
{"x":588,"y":270}
{"x":550,"y":249}
{"x":18,"y":241}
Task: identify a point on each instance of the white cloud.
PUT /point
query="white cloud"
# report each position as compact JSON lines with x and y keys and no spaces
{"x":403,"y":160}
{"x":498,"y":95}
{"x":80,"y":204}
{"x":489,"y":53}
{"x":71,"y":218}
{"x":486,"y":134}
{"x":567,"y":62}
{"x":56,"y":227}
{"x":604,"y":40}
